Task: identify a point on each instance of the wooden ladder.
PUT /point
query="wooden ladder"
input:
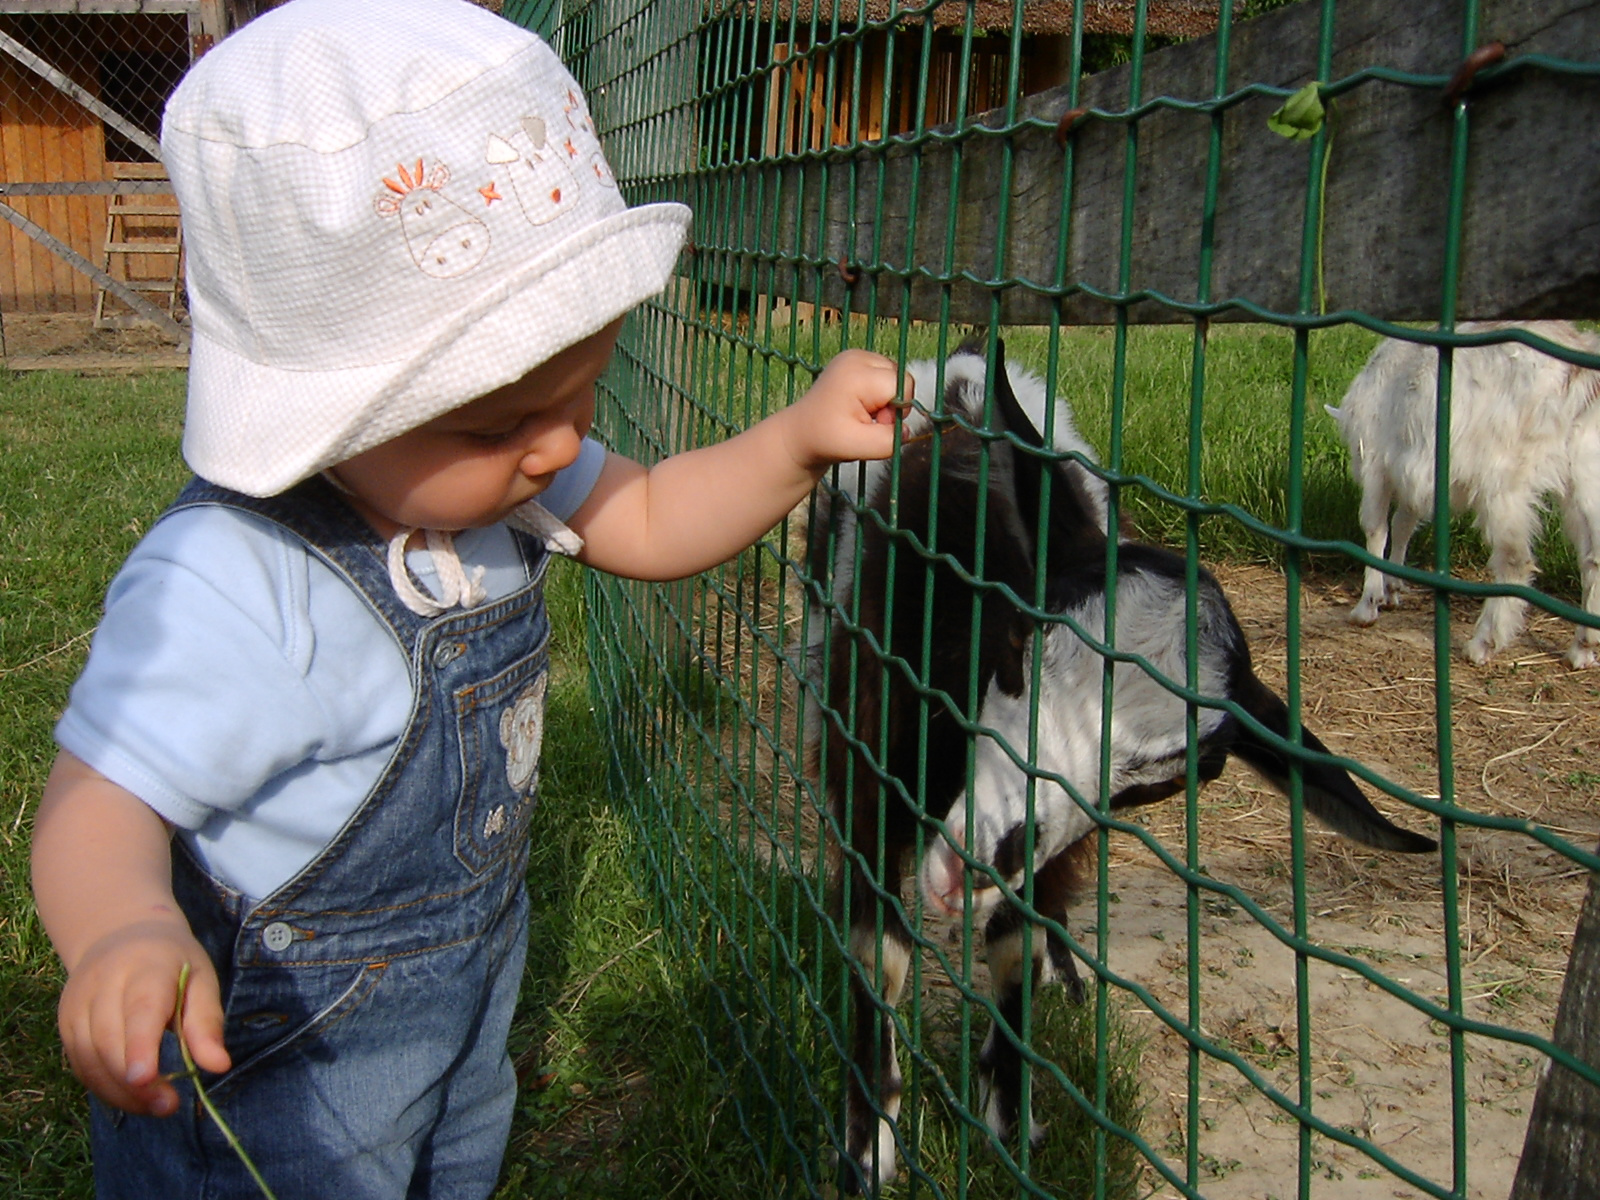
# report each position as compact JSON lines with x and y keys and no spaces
{"x":142,"y":230}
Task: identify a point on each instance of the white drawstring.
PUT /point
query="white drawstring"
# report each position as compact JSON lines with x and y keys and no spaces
{"x":455,"y":586}
{"x":534,"y":518}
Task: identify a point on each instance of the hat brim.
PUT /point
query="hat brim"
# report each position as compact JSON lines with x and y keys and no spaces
{"x":281,"y":435}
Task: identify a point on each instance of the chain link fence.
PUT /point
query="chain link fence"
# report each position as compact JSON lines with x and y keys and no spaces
{"x":91,"y":224}
{"x":1197,"y":269}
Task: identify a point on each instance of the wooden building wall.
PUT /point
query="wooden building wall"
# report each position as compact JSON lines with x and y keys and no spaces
{"x":809,"y":102}
{"x":45,"y":137}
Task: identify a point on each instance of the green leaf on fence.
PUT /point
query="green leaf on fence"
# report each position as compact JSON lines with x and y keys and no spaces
{"x":1301,"y":115}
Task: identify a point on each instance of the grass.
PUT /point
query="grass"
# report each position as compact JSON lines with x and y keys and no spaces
{"x":1246,"y":421}
{"x":636,"y":1078}
{"x":84,"y":466}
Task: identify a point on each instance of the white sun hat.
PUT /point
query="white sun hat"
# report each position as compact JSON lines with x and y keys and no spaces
{"x":389,"y":209}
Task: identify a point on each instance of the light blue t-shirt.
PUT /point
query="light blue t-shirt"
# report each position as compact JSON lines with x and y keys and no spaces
{"x":238,"y":686}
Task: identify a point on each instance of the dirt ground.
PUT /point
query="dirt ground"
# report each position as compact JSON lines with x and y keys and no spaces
{"x":1524,"y":728}
{"x":69,"y":341}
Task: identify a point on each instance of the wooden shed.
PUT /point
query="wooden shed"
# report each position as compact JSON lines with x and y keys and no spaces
{"x":814,"y":114}
{"x":89,"y":223}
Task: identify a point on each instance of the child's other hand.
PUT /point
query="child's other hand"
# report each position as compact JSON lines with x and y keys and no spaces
{"x":849,"y":412}
{"x":119,"y":998}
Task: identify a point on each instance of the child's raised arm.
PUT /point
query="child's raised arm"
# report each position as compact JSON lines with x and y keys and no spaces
{"x":700,"y":508}
{"x":102,"y":879}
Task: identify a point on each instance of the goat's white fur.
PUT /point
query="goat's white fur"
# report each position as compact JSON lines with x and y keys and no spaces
{"x":1147,"y":731}
{"x":1523,"y":425}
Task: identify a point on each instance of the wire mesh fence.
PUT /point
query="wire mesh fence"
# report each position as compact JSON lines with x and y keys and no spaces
{"x":1196,"y":253}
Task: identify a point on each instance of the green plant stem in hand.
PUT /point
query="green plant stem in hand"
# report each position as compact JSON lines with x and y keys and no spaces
{"x":193,"y":1074}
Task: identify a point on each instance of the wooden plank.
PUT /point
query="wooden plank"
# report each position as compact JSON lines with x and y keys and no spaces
{"x":1561,"y":1156}
{"x":1531,"y":245}
{"x":100,"y":364}
{"x":136,"y":170}
{"x":40,"y":270}
{"x":81,"y":95}
{"x":208,"y":26}
{"x":85,"y":214}
{"x":67,"y":254}
{"x":77,"y":7}
{"x":59,"y":218}
{"x":15,"y":275}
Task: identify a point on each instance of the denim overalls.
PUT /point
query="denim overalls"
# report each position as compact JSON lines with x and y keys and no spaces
{"x":367,"y":1000}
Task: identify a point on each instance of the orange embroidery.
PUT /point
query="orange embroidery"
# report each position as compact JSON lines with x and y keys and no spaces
{"x":417,"y":178}
{"x":487,"y":191}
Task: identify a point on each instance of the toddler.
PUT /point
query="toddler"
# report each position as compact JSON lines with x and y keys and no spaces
{"x":303,"y":755}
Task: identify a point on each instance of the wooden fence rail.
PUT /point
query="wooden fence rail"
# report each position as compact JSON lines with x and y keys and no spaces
{"x":1531,"y":244}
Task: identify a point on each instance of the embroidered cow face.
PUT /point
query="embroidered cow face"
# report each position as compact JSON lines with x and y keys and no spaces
{"x":444,"y":239}
{"x":582,"y":143}
{"x":541,"y":177}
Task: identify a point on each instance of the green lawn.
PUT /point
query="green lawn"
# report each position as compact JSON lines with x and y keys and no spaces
{"x":617,"y":1097}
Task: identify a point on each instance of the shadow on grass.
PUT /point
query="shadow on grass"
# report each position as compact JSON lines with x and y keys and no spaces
{"x":684,"y":1022}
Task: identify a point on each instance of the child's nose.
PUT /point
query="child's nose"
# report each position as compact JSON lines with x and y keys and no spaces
{"x":554,"y":449}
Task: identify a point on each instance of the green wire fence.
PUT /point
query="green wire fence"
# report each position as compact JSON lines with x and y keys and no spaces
{"x":901,"y":176}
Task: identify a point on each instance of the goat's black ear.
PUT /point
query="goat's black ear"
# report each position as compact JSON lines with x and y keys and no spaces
{"x":1026,"y":468}
{"x":1071,"y":524}
{"x":1012,"y":417}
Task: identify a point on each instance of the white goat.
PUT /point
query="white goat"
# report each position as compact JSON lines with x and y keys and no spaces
{"x":1523,"y":425}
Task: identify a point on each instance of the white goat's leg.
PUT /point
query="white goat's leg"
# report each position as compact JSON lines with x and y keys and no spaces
{"x":874,"y":1099}
{"x":1508,"y":522}
{"x":1375,"y":498}
{"x":1402,"y":528}
{"x":1581,"y":517}
{"x":1000,"y":1063}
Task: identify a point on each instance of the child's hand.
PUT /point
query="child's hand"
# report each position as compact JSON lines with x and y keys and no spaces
{"x":119,"y":998}
{"x":849,"y":412}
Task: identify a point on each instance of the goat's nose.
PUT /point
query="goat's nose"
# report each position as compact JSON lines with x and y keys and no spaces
{"x":942,"y":871}
{"x":944,"y":878}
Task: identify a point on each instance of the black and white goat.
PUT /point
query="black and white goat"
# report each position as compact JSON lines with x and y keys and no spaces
{"x":1523,"y":425}
{"x":946,"y":640}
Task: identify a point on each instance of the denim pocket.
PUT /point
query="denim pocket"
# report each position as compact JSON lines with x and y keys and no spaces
{"x":500,"y":723}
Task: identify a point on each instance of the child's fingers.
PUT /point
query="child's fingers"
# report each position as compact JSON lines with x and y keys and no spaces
{"x":129,"y":1042}
{"x":202,"y":1022}
{"x":145,"y":1021}
{"x":111,"y":1028}
{"x":94,"y":1038}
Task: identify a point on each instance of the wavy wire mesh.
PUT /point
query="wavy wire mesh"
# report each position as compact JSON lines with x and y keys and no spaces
{"x":1269,"y":1012}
